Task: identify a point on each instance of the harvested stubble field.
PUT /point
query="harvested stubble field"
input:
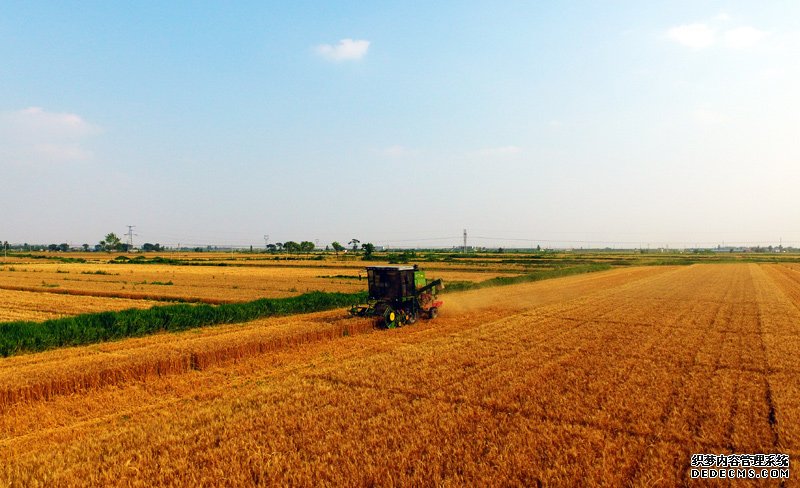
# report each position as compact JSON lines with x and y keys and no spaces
{"x":34,"y":283}
{"x":611,"y":378}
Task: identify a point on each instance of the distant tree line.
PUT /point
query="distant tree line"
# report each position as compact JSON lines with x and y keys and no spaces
{"x":113,"y":243}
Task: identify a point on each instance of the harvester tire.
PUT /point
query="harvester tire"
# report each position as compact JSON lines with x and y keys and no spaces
{"x":433,"y":312}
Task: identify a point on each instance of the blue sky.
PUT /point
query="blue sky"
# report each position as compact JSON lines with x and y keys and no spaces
{"x":572,"y":123}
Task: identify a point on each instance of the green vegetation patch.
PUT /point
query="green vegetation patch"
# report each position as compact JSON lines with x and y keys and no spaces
{"x":59,"y":259}
{"x":21,"y":337}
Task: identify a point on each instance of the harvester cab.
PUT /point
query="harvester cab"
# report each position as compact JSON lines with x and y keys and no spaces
{"x":399,"y":295}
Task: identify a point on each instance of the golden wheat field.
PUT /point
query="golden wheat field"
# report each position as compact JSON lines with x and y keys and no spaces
{"x":611,"y":378}
{"x":37,"y":283}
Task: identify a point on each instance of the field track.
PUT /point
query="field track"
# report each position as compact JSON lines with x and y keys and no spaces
{"x":610,"y":378}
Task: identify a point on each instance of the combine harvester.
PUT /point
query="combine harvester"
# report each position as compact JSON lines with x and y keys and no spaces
{"x":399,"y":295}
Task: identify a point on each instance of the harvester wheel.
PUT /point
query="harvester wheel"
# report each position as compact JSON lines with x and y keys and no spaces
{"x":433,"y":312}
{"x":411,"y":318}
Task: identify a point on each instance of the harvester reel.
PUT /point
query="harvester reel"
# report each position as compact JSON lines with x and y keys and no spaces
{"x":387,"y":315}
{"x":359,"y":311}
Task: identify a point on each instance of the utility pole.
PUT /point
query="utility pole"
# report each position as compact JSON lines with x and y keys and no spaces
{"x":130,"y":237}
{"x":465,"y":240}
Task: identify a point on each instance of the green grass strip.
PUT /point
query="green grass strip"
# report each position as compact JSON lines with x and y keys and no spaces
{"x":544,"y":274}
{"x":21,"y":337}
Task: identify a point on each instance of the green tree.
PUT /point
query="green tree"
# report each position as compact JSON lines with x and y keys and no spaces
{"x":111,"y":243}
{"x":337,"y":248}
{"x":85,"y":247}
{"x":291,"y":247}
{"x":368,"y":248}
{"x":354,"y":242}
{"x":307,"y":246}
{"x":63,"y":247}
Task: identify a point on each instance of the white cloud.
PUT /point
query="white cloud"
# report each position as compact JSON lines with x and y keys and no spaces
{"x":345,"y":50}
{"x":695,"y":36}
{"x":36,"y":120}
{"x":35,"y":136}
{"x":722,"y":17}
{"x":701,"y":36}
{"x":743,"y":37}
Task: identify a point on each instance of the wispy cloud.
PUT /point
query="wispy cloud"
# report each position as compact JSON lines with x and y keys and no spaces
{"x":344,"y":50}
{"x":695,"y":36}
{"x":701,"y":36}
{"x":36,"y":136}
